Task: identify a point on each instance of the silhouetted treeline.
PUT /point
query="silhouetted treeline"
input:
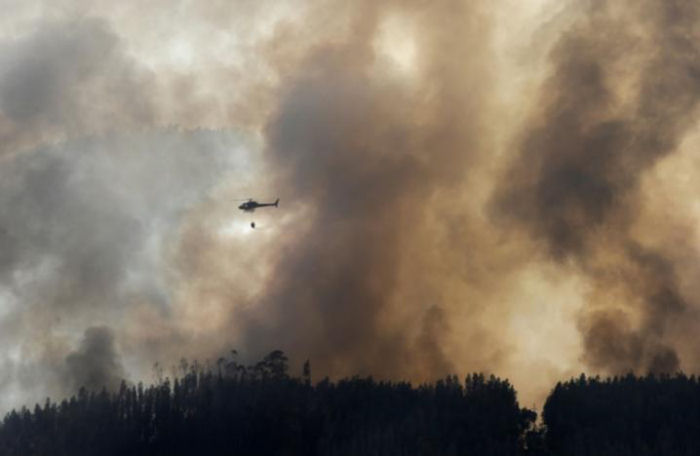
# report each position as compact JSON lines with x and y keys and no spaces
{"x":232,"y":409}
{"x":260,"y":410}
{"x":653,"y":415}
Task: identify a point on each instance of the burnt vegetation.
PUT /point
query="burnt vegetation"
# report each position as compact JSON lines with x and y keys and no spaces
{"x":231,"y":409}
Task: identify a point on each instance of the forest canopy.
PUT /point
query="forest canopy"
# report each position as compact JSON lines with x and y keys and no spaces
{"x":231,"y":408}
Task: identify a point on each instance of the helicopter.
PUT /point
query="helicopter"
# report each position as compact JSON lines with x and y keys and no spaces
{"x":251,"y":205}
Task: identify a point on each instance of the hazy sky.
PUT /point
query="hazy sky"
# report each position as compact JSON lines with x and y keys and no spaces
{"x":503,"y":186}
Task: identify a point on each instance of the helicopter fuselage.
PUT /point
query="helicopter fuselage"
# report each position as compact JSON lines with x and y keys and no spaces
{"x":250,"y":205}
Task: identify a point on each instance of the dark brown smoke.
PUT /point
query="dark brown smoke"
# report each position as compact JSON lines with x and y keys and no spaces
{"x":368,"y":153}
{"x":623,"y":91}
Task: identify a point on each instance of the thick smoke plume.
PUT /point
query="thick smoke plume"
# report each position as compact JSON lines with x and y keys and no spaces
{"x":366,"y":153}
{"x":96,"y":364}
{"x":465,"y":186}
{"x":624,"y":91}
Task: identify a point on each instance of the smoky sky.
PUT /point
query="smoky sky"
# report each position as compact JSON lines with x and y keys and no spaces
{"x":366,"y":151}
{"x":464,"y":186}
{"x":67,"y":79}
{"x":95,"y":365}
{"x":89,"y":199}
{"x":576,"y":180}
